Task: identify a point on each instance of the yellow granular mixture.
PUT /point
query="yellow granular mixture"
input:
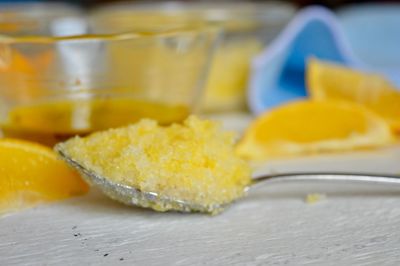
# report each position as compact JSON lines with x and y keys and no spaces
{"x":194,"y":161}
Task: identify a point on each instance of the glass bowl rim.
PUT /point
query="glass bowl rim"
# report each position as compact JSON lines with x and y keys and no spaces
{"x":184,"y":30}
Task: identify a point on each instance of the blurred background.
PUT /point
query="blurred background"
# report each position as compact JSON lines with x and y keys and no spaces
{"x":300,"y":3}
{"x":258,"y":61}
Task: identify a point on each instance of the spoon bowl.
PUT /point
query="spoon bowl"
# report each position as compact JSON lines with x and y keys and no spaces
{"x":150,"y":199}
{"x":132,"y":196}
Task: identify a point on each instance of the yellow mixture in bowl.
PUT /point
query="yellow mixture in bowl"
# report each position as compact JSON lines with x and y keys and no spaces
{"x":193,"y":161}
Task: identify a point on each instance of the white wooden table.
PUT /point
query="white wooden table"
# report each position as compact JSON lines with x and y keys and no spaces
{"x":354,"y":225}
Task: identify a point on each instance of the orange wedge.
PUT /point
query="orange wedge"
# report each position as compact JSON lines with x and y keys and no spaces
{"x":308,"y":127}
{"x":330,"y":81}
{"x":31,"y":173}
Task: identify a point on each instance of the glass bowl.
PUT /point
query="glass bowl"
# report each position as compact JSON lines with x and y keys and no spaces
{"x":248,"y":27}
{"x":55,"y":87}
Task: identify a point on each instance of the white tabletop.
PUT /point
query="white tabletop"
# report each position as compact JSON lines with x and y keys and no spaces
{"x":273,"y":225}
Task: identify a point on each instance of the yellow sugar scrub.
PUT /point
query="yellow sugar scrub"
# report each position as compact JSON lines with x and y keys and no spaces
{"x":194,"y":161}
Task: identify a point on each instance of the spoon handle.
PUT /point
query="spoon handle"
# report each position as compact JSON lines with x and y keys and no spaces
{"x":326,"y":176}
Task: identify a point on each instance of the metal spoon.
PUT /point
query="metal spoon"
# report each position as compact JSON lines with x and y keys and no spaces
{"x":133,"y":196}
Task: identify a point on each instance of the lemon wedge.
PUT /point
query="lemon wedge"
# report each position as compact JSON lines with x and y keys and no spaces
{"x":327,"y":81}
{"x":31,"y":173}
{"x":309,"y":127}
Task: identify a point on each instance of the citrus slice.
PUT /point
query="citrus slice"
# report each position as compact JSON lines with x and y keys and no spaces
{"x":331,"y":81}
{"x":307,"y":127}
{"x":31,"y":173}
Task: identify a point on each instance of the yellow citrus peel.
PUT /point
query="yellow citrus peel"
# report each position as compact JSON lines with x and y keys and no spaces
{"x":31,"y":173}
{"x":309,"y":127}
{"x":327,"y":81}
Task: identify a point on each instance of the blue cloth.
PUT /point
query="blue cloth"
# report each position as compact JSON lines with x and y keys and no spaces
{"x":278,"y":73}
{"x":373,"y":32}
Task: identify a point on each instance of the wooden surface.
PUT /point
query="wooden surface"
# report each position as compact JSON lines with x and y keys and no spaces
{"x":273,"y":225}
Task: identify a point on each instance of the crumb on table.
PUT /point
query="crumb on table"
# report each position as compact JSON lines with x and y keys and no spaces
{"x":312,"y":198}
